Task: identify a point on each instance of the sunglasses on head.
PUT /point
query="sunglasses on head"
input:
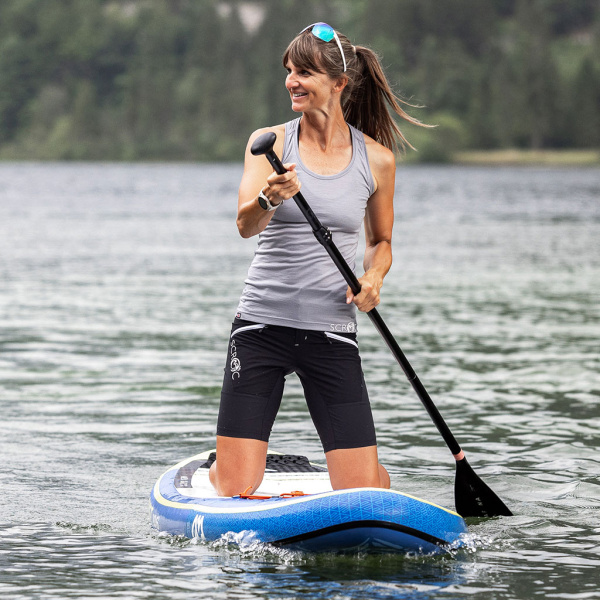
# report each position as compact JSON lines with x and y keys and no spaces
{"x":326,"y":33}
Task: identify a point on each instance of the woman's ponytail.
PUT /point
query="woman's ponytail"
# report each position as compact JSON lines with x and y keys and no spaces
{"x":370,"y":101}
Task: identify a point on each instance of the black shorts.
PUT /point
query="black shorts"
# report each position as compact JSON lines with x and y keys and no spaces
{"x":328,"y":366}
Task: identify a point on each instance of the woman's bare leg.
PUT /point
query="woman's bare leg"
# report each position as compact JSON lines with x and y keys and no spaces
{"x":356,"y":467}
{"x":240,"y":465}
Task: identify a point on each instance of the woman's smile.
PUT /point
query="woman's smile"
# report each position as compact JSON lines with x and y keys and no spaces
{"x":297,"y":82}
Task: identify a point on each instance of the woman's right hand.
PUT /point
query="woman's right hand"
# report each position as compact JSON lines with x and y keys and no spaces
{"x":259,"y":176}
{"x":285,"y":186}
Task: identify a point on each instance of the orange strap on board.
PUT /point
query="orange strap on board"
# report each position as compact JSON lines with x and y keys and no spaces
{"x":246,"y":496}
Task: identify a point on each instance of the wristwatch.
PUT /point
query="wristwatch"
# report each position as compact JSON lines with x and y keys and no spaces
{"x":265,"y":203}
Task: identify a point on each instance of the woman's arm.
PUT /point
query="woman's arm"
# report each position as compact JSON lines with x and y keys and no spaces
{"x":258,"y":175}
{"x":379,"y":221}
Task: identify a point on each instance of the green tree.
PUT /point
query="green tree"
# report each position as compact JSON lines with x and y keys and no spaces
{"x":482,"y":115}
{"x":17,"y":84}
{"x":585,"y":104}
{"x":536,"y":76}
{"x":149,"y":82}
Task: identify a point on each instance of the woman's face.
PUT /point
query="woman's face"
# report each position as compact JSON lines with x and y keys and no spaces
{"x":308,"y":89}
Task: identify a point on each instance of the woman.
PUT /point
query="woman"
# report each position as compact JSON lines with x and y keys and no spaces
{"x":296,"y":313}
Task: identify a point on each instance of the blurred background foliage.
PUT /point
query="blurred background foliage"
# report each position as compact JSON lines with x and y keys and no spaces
{"x":190,"y":79}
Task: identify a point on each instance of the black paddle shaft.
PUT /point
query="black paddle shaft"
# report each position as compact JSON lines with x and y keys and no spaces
{"x":473,"y":497}
{"x":264,"y":145}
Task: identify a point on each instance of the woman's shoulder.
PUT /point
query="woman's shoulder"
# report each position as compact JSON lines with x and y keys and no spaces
{"x":278,"y":130}
{"x":382,"y":160}
{"x":379,"y":155}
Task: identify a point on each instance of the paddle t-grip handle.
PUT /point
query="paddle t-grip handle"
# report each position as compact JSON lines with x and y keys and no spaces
{"x":264,"y":145}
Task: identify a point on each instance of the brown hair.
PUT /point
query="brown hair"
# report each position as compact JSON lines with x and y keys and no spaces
{"x":367,"y":98}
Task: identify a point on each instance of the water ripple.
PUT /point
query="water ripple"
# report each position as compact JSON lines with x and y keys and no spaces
{"x":119,"y":283}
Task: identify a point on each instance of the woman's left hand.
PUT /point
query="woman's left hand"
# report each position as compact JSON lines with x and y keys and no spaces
{"x":370,"y":285}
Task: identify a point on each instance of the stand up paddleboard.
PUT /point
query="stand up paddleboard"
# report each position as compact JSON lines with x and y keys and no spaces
{"x":295,"y":507}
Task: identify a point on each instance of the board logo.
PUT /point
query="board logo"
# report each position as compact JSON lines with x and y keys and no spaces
{"x":198,"y":527}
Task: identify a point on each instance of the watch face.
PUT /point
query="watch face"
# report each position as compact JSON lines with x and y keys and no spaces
{"x":263,"y":203}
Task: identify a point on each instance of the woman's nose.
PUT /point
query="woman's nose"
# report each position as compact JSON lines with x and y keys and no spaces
{"x":290,"y":80}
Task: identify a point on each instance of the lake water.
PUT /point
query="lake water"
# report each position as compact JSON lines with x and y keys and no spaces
{"x":118,"y":284}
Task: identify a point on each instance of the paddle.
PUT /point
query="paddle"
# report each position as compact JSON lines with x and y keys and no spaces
{"x":473,"y":498}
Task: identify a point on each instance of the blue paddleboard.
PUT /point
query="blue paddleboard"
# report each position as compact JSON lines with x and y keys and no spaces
{"x":298,"y":509}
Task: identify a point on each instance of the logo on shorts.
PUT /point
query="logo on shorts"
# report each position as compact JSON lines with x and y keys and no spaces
{"x":234,"y":364}
{"x":343,"y":327}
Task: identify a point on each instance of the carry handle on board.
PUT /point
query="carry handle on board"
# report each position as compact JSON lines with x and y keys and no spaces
{"x":472,"y":496}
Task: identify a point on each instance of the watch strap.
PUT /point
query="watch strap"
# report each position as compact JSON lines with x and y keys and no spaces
{"x":265,"y":203}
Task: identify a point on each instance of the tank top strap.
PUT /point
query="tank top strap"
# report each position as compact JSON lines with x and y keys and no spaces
{"x":359,"y":147}
{"x":291,"y":134}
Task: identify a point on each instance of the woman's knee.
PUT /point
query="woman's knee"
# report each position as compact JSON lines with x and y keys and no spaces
{"x":384,"y":477}
{"x":240,"y":465}
{"x":228,"y":485}
{"x":356,"y":467}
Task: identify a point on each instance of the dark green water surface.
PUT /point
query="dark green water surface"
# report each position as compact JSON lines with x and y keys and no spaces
{"x":118,"y":284}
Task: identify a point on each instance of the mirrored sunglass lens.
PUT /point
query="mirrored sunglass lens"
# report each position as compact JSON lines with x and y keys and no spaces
{"x":323,"y":32}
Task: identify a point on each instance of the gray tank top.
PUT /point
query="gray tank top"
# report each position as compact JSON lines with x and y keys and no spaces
{"x":292,"y":281}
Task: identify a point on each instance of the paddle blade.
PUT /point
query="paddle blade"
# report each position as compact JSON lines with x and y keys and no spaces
{"x":473,"y":498}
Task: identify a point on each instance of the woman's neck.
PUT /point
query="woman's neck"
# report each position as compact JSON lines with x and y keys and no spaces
{"x":325,"y":131}
{"x":324,"y":145}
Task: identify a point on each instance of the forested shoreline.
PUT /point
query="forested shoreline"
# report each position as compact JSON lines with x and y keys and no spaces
{"x":188,"y":80}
